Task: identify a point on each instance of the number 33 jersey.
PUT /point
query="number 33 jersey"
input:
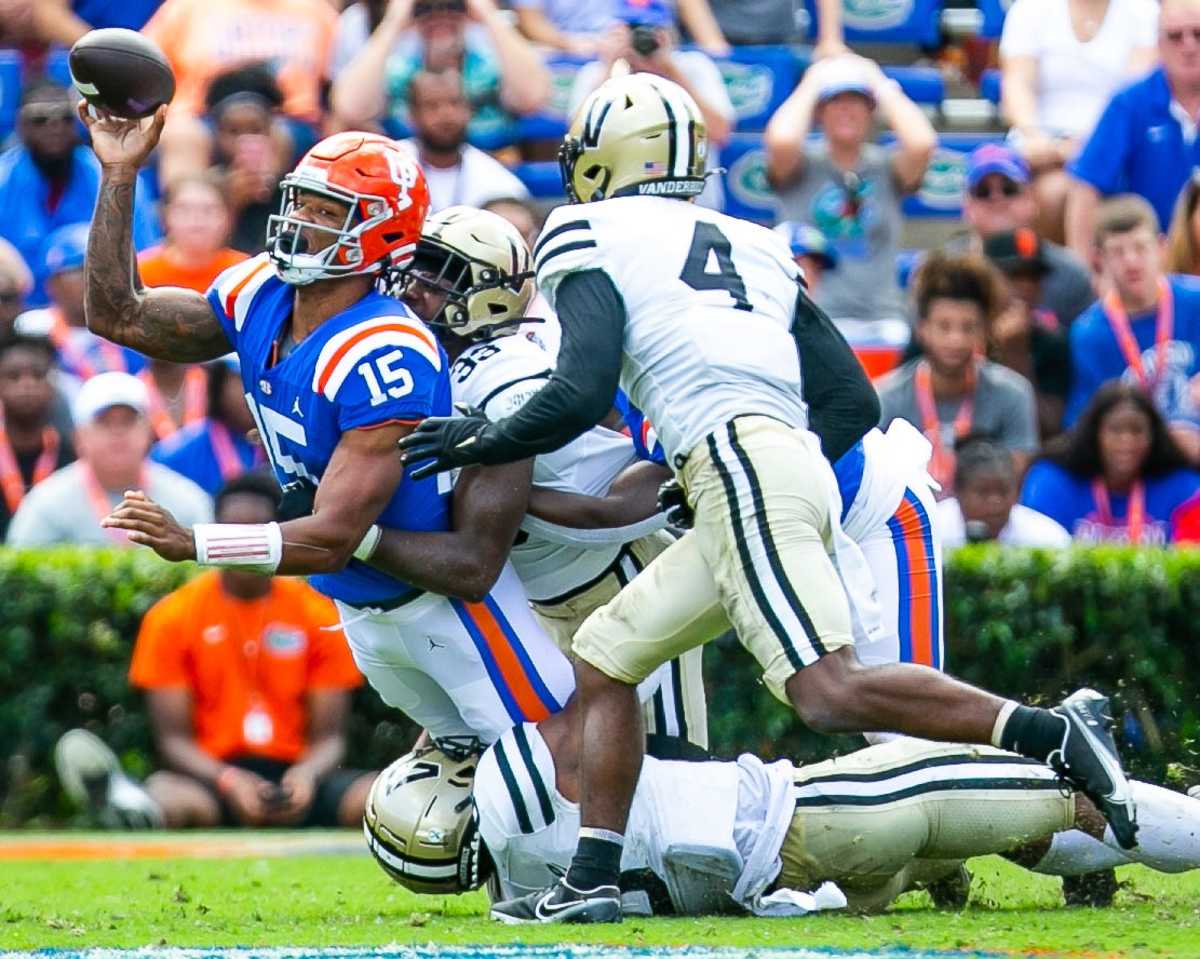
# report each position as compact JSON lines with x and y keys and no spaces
{"x":709,"y":303}
{"x":371,"y":365}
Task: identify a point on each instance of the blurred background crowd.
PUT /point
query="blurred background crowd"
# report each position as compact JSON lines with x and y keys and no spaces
{"x":996,"y":201}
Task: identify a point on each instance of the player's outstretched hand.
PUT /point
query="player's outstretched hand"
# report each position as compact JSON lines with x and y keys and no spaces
{"x":448,"y":442}
{"x":149,"y":524}
{"x":121,"y":142}
{"x":672,"y":502}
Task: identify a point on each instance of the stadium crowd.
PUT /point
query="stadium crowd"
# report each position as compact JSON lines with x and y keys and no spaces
{"x":1048,"y":346}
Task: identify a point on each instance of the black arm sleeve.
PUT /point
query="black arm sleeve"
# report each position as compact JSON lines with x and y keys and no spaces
{"x":582,"y":387}
{"x":842,"y":403}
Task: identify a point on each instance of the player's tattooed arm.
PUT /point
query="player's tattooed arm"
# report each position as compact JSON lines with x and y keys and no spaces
{"x":465,"y":562}
{"x":632,"y":497}
{"x":166,"y":323}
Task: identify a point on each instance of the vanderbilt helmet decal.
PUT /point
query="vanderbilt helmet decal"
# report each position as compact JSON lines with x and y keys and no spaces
{"x":635,"y":135}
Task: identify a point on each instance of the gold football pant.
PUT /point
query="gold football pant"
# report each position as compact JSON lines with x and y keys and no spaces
{"x":758,"y":557}
{"x":882,"y":819}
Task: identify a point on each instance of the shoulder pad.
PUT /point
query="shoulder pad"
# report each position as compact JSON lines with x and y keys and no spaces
{"x":345,"y":349}
{"x":236,"y":287}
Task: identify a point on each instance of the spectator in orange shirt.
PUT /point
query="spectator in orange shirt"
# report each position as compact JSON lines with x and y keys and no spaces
{"x":203,"y":38}
{"x":248,"y":694}
{"x":197,"y":220}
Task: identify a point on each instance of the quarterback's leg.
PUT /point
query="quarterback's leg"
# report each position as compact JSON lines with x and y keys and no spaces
{"x":762,"y":494}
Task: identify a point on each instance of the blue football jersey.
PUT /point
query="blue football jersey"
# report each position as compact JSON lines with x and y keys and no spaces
{"x":372,"y":364}
{"x":645,"y":439}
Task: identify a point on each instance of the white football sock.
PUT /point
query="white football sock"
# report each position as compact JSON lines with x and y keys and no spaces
{"x":1168,"y":838}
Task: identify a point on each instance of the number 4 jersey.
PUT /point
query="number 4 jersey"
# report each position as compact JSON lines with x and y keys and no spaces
{"x":368,"y":366}
{"x":709,"y":303}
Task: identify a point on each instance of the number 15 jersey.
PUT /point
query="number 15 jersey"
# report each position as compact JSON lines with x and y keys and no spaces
{"x":709,"y":302}
{"x":370,"y":365}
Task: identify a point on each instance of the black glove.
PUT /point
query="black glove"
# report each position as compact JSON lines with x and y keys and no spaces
{"x":297,"y":501}
{"x":449,"y":442}
{"x":673,"y":502}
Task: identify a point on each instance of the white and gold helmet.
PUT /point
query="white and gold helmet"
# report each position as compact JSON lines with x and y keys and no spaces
{"x":482,"y":266}
{"x":420,"y":823}
{"x":635,"y":135}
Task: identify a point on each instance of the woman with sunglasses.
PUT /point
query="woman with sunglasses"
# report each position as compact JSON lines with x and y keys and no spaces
{"x":1061,"y":60}
{"x":1117,"y":477}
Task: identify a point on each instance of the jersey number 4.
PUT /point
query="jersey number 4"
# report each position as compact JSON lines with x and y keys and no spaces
{"x":709,"y":243}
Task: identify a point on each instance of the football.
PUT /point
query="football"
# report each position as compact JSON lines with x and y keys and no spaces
{"x":122,"y":72}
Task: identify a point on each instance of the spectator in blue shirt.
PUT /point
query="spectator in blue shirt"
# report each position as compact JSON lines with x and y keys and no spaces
{"x":50,"y":180}
{"x":1117,"y":477}
{"x":63,"y":22}
{"x":1146,"y":330}
{"x":215,"y":450}
{"x":1145,"y":141}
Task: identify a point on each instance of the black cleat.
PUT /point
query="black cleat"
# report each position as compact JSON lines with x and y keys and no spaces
{"x":561,"y":903}
{"x":1088,"y":760}
{"x":952,"y":891}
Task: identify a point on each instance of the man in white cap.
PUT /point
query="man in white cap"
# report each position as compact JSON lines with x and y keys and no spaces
{"x":112,"y":438}
{"x":850,"y":187}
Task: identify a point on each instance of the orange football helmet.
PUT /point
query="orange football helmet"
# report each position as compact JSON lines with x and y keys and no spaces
{"x":387,"y":199}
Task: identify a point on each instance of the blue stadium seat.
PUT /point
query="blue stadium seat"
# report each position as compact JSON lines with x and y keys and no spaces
{"x":990,"y":85}
{"x":57,"y":68}
{"x":759,"y":79}
{"x":747,"y":193}
{"x":542,"y":179}
{"x":887,"y":21}
{"x":10,"y":90}
{"x":993,"y":17}
{"x":920,"y":84}
{"x":551,"y":122}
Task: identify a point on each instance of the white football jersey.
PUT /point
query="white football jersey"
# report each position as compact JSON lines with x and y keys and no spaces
{"x":710,"y":302}
{"x":738,"y":811}
{"x":499,"y":376}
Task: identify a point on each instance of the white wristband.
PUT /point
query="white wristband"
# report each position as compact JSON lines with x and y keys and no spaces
{"x":256,"y":546}
{"x":369,"y":542}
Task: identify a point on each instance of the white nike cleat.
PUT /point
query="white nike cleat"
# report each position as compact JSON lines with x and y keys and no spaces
{"x":91,"y":776}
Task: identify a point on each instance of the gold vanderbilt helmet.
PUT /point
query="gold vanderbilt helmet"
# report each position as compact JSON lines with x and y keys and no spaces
{"x":420,"y":823}
{"x":635,"y":135}
{"x":480,"y":264}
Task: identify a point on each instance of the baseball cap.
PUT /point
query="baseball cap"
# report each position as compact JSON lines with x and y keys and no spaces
{"x":646,"y":13}
{"x":106,"y":390}
{"x":996,"y":158}
{"x":844,"y":75}
{"x":1016,"y":251}
{"x":65,"y":249}
{"x":807,"y":240}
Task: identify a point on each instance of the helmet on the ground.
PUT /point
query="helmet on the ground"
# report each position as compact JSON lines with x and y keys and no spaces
{"x":635,"y":135}
{"x":420,"y":823}
{"x":386,"y":198}
{"x":481,"y":265}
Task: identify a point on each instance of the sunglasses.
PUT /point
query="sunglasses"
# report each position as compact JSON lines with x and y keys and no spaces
{"x":43,"y":117}
{"x":1176,"y":36}
{"x":1007,"y":189}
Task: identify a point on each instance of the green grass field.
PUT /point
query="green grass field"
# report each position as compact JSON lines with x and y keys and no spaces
{"x":346,"y":900}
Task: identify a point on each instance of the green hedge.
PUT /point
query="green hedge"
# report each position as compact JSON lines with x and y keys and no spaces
{"x":1028,"y":624}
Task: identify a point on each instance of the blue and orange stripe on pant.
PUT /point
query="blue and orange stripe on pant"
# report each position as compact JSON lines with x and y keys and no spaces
{"x":918,"y":618}
{"x":508,"y":665}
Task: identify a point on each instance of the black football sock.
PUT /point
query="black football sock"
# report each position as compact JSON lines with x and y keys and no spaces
{"x":597,"y":860}
{"x":1031,"y":731}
